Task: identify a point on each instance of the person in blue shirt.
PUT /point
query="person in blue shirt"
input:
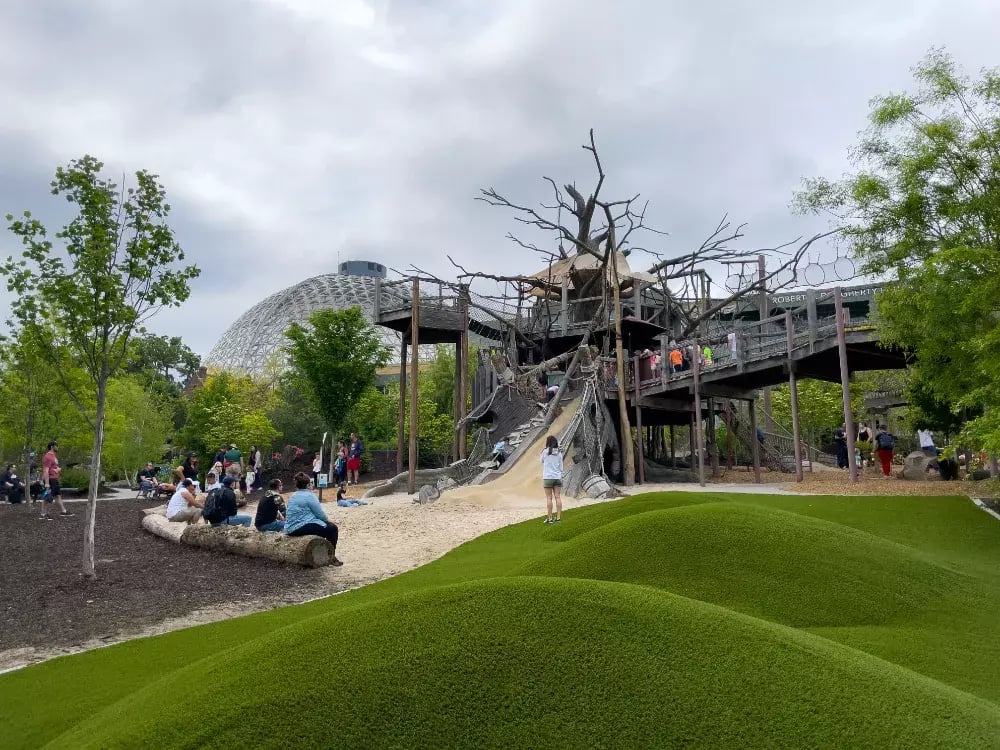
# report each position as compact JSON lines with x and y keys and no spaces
{"x":304,"y":516}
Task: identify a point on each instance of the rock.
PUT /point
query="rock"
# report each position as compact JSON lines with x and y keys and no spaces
{"x":445,"y":483}
{"x":915,"y":466}
{"x":428,"y":494}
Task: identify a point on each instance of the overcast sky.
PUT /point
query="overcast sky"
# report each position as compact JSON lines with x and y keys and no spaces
{"x":289,"y":133}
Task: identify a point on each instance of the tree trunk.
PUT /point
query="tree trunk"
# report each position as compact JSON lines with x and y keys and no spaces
{"x":628,"y":457}
{"x":89,"y":567}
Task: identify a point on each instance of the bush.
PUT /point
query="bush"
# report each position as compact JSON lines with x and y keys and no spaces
{"x":75,"y":478}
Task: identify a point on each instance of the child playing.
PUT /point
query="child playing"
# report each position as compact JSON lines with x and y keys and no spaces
{"x":552,"y":470}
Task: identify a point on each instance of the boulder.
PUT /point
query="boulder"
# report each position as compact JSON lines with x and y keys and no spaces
{"x":915,"y":466}
{"x":428,"y":494}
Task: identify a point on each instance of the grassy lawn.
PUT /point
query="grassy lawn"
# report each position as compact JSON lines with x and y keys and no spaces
{"x":658,"y":620}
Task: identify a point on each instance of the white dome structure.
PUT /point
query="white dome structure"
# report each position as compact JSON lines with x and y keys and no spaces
{"x":259,"y":333}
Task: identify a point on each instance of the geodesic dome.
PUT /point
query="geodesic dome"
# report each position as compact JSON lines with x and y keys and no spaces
{"x":259,"y":333}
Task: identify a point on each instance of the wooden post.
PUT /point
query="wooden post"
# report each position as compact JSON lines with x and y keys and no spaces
{"x":713,"y":446}
{"x":765,"y":310}
{"x":400,"y":430}
{"x":564,"y":305}
{"x":811,"y":318}
{"x":639,"y":433}
{"x":793,"y":390}
{"x":754,"y":442}
{"x":845,"y":381}
{"x":414,"y":384}
{"x":673,"y":448}
{"x":463,"y":373}
{"x":729,"y":434}
{"x":691,"y":450}
{"x":664,"y":359}
{"x":696,"y":366}
{"x":455,"y":396}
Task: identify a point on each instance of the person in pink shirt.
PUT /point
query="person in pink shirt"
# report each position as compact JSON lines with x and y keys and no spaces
{"x":50,"y":479}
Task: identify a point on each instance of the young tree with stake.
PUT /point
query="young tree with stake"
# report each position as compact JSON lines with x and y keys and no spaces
{"x":118,"y":266}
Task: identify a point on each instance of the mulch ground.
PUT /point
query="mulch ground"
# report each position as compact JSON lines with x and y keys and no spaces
{"x":142,"y":580}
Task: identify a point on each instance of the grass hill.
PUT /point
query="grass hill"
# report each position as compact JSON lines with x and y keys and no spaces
{"x":659,"y":620}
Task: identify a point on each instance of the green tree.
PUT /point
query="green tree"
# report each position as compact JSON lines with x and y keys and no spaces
{"x":137,"y":424}
{"x":923,"y":208}
{"x":293,"y":414}
{"x":36,"y":408}
{"x":229,"y":409}
{"x":821,"y":407}
{"x":117,"y":267}
{"x":334,"y":359}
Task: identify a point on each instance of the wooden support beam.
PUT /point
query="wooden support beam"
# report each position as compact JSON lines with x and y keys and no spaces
{"x":845,"y":381}
{"x":564,"y":305}
{"x":414,"y":385}
{"x":811,"y":317}
{"x":755,"y":444}
{"x":463,"y":373}
{"x":793,"y":390}
{"x":673,"y":448}
{"x":713,"y":448}
{"x":401,"y":430}
{"x":638,"y":428}
{"x":665,"y":404}
{"x":696,"y":365}
{"x":718,"y":390}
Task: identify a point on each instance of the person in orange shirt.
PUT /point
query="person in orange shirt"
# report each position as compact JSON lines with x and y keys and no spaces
{"x":676,"y":360}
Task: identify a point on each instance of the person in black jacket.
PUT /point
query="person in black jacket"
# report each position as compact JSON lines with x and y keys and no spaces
{"x":270,"y":511}
{"x":11,"y":485}
{"x":227,"y":499}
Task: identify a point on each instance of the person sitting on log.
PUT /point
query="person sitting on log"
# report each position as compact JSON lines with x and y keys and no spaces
{"x":212,"y":481}
{"x":305,"y":516}
{"x":184,"y":506}
{"x":270,"y":510}
{"x":227,"y":504}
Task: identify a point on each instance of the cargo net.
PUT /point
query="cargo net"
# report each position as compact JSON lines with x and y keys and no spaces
{"x":592,"y":436}
{"x":464,"y":471}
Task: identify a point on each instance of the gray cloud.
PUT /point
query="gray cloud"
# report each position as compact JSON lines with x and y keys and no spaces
{"x":288,"y":131}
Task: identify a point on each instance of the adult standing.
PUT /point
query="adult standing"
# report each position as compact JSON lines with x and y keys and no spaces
{"x":840,"y":438}
{"x":190,"y":466}
{"x":884,"y":444}
{"x":354,"y":458}
{"x":317,"y":467}
{"x":257,"y":465}
{"x":304,"y":516}
{"x":50,"y":480}
{"x":552,"y":471}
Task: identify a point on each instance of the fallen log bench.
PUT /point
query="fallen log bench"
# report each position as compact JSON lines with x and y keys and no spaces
{"x":308,"y":551}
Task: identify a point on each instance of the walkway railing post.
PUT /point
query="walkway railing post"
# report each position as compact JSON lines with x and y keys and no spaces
{"x":793,"y":390}
{"x":700,"y":437}
{"x":845,"y":381}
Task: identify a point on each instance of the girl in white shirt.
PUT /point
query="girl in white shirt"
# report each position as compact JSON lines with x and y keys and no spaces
{"x":552,"y":471}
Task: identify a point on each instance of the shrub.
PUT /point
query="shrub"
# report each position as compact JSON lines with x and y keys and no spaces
{"x":75,"y":478}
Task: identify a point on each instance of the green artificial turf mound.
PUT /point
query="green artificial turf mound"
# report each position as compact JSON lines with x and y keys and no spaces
{"x":773,"y":564}
{"x":540,"y":662}
{"x":658,"y":620}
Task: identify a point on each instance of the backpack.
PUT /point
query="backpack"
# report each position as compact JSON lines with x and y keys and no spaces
{"x":884,"y":441}
{"x":213,"y":512}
